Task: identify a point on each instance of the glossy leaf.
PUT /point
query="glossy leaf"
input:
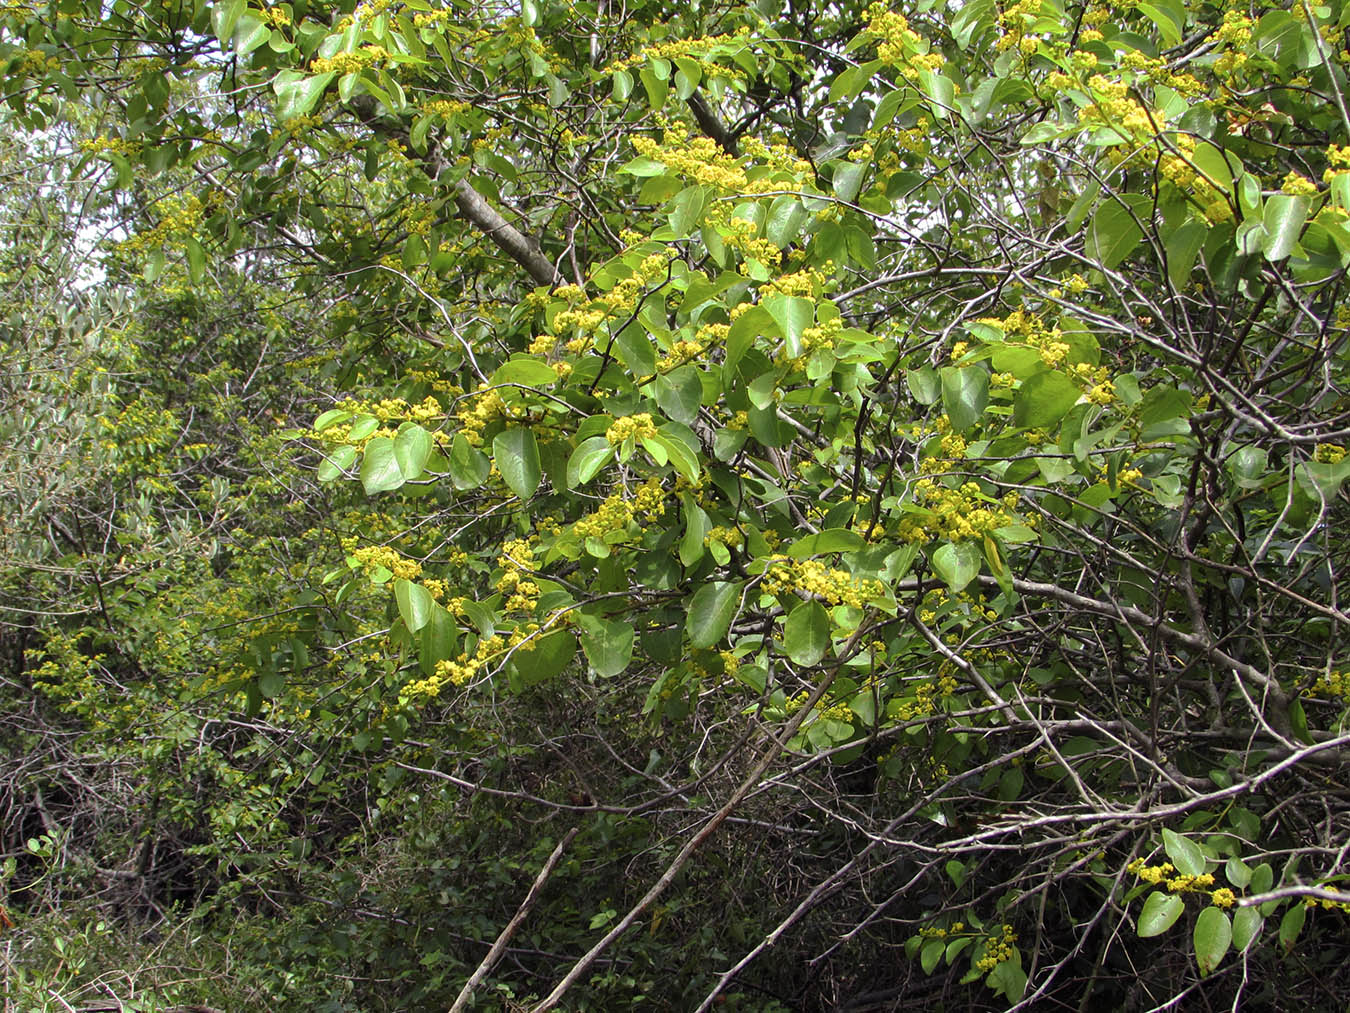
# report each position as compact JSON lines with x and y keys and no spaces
{"x":1160,"y":912}
{"x":965,"y":394}
{"x":415,"y":604}
{"x":516,"y":454}
{"x":379,"y":467}
{"x":806,"y":634}
{"x":1185,"y":854}
{"x":1212,"y":936}
{"x":1044,"y":399}
{"x":710,"y":612}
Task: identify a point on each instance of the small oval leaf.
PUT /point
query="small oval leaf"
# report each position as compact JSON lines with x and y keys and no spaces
{"x":1161,"y":910}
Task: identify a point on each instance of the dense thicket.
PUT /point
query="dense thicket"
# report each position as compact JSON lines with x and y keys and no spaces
{"x":845,"y":501}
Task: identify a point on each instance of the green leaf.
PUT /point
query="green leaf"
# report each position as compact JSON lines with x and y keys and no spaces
{"x":1247,"y":923}
{"x":957,"y":563}
{"x":931,"y":954}
{"x":965,"y":394}
{"x":412,"y":447}
{"x":679,"y":394}
{"x":1182,"y":247}
{"x":335,"y":464}
{"x":379,"y":467}
{"x":784,"y":222}
{"x":1044,"y":399}
{"x":793,"y":314}
{"x":925,"y":384}
{"x":224,"y":16}
{"x":469,"y":466}
{"x":1008,"y":978}
{"x":683,"y":459}
{"x":1160,"y":912}
{"x":696,"y":527}
{"x":331,"y":418}
{"x":711,"y":611}
{"x":364,"y":426}
{"x":1237,"y":872}
{"x":526,"y":371}
{"x":298,"y":94}
{"x":829,"y":540}
{"x":1213,"y":933}
{"x":1184,"y":853}
{"x":657,"y":88}
{"x":415,"y":604}
{"x":540,"y":659}
{"x":1115,"y":230}
{"x":439,"y":640}
{"x":642,"y":166}
{"x":608,"y":644}
{"x":516,"y":454}
{"x":1169,"y":21}
{"x":751,"y":324}
{"x":196,"y":260}
{"x":806,"y":634}
{"x":848,"y":178}
{"x":586,"y":461}
{"x":1292,"y":924}
{"x":1284,"y":217}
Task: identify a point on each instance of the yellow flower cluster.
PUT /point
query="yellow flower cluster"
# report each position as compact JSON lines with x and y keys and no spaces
{"x":650,"y":499}
{"x":36,"y":63}
{"x":397,"y":409}
{"x":1236,"y":33}
{"x":839,"y":711}
{"x":1298,"y":185}
{"x":349,"y":63}
{"x":683,"y":351}
{"x":808,"y":282}
{"x":482,"y":407}
{"x":619,"y":301}
{"x":957,"y":515}
{"x":445,"y":107}
{"x":898,"y":44}
{"x":1326,"y":903}
{"x":1334,"y":684}
{"x":926,"y":697}
{"x":951,"y":446}
{"x":976,"y":606}
{"x":459,"y":672}
{"x":699,"y":160}
{"x":729,"y":537}
{"x":674,"y":48}
{"x":933,"y":932}
{"x":517,"y":563}
{"x":1190,"y":884}
{"x":997,"y":949}
{"x":116,"y":145}
{"x":813,"y":578}
{"x":180,"y":217}
{"x":822,"y":336}
{"x":631,"y":427}
{"x":614,"y":514}
{"x":1329,"y":453}
{"x":373,"y":557}
{"x":742,"y":235}
{"x":779,"y":157}
{"x":1034,"y":332}
{"x":1015,"y":19}
{"x":1223,"y":897}
{"x":431,"y":19}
